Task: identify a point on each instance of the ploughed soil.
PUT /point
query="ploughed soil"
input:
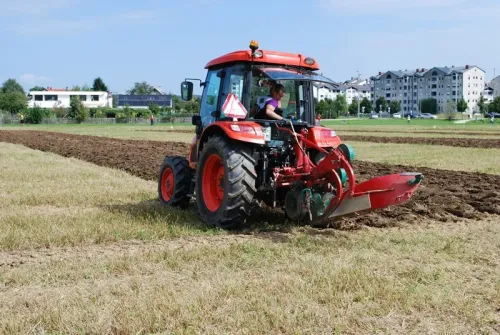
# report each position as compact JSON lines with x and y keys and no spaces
{"x":443,"y":195}
{"x":454,"y":142}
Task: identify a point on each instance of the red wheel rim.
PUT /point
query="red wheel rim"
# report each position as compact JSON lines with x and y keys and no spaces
{"x":213,"y":177}
{"x":167,"y":184}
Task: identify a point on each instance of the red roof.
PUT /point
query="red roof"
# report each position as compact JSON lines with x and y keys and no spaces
{"x":269,"y":57}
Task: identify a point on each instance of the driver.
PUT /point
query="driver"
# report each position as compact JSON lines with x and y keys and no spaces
{"x":272,"y":105}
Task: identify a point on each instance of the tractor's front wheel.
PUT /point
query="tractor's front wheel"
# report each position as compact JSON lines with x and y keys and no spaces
{"x":174,"y":182}
{"x":225,"y":183}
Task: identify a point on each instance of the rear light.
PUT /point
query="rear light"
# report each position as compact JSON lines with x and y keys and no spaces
{"x":327,"y":133}
{"x":241,"y":128}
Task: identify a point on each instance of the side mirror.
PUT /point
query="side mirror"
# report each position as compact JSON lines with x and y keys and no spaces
{"x":195,"y":120}
{"x":186,"y":90}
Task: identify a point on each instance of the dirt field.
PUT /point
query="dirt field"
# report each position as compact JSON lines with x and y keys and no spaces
{"x":454,"y":142}
{"x":443,"y":196}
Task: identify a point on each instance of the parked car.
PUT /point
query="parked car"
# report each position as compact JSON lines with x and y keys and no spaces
{"x":495,"y":114}
{"x":397,"y":115}
{"x":373,"y":116}
{"x":412,"y":115}
{"x":427,"y":116}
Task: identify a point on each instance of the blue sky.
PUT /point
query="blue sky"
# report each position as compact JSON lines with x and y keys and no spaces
{"x":63,"y":43}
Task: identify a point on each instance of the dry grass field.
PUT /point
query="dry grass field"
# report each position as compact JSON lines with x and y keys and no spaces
{"x":86,"y":249}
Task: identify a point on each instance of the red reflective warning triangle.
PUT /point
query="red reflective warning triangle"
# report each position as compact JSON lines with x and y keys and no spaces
{"x":233,"y":107}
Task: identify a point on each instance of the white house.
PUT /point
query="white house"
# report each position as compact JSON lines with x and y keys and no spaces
{"x":53,"y":98}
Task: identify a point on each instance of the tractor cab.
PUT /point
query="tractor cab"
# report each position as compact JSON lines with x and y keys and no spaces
{"x":247,"y":77}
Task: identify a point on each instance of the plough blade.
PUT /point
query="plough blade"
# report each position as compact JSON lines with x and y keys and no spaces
{"x":379,"y":192}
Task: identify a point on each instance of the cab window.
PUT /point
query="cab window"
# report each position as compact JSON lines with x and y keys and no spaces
{"x":210,"y":98}
{"x":233,"y":83}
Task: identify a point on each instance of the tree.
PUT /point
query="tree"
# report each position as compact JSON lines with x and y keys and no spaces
{"x":462,"y":105}
{"x":494,"y":106}
{"x":482,"y":105}
{"x":395,"y":106}
{"x":76,"y":88}
{"x":154,"y":108}
{"x":450,"y":110}
{"x":380,"y":104}
{"x":193,"y":106}
{"x":429,"y":106}
{"x":11,"y":86}
{"x":99,"y":85}
{"x":353,"y":107}
{"x":35,"y":115}
{"x":37,"y":88}
{"x":77,"y":110}
{"x":13,"y":102}
{"x":367,"y":104}
{"x":340,"y":105}
{"x":177,"y":103}
{"x":321,"y":108}
{"x":141,"y":88}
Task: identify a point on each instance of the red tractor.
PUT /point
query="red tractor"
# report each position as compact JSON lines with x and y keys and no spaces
{"x":239,"y":159}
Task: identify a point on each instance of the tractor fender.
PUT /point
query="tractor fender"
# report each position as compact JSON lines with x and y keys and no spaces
{"x":324,"y":137}
{"x":242,"y":131}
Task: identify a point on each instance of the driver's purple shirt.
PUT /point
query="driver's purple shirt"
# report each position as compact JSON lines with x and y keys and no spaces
{"x":273,"y":102}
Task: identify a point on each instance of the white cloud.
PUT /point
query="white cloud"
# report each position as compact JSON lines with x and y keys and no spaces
{"x":32,"y":79}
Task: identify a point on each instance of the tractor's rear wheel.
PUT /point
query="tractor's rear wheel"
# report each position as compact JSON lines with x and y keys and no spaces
{"x":225,"y":183}
{"x":174,"y":182}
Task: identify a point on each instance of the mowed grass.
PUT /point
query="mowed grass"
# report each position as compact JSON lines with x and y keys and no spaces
{"x":429,"y":134}
{"x":87,"y":250}
{"x":440,"y":280}
{"x":432,"y":156}
{"x":414,"y":123}
{"x":48,"y":200}
{"x":158,"y":132}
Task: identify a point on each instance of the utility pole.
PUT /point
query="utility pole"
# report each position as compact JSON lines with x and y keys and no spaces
{"x":357,"y":90}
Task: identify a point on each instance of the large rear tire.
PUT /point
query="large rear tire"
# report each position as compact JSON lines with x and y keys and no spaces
{"x":225,"y":183}
{"x":174,"y":182}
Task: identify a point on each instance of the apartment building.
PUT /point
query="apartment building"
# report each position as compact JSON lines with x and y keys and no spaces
{"x":488,"y":94}
{"x":350,"y":91}
{"x":495,"y":85}
{"x":440,"y":83}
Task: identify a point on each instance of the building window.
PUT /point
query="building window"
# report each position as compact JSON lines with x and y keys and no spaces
{"x":94,"y":98}
{"x":51,"y":98}
{"x":38,"y":97}
{"x":83,"y":97}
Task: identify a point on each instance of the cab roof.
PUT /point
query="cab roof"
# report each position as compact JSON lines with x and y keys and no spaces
{"x":267,"y":57}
